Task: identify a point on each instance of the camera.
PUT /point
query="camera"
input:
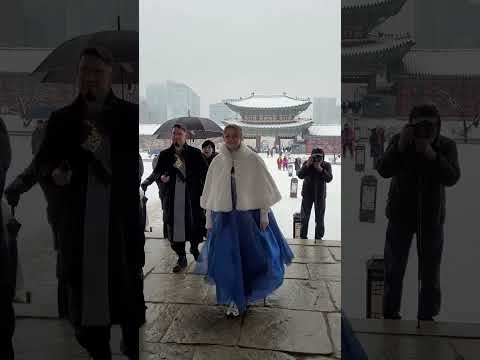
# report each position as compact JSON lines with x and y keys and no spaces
{"x":317,"y":157}
{"x":423,"y":130}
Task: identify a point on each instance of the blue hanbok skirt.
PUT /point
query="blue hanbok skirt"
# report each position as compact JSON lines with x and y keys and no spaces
{"x":245,"y":263}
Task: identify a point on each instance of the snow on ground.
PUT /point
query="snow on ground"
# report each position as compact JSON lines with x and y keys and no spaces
{"x":285,"y":209}
{"x":460,"y":265}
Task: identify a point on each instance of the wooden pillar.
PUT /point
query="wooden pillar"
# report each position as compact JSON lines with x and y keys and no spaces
{"x":259,"y":142}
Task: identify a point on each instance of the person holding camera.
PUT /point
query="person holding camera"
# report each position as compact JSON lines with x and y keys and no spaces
{"x":421,"y":163}
{"x":316,"y":173}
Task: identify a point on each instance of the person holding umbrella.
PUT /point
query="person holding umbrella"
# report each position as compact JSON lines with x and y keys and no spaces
{"x":182,"y":169}
{"x":90,"y":151}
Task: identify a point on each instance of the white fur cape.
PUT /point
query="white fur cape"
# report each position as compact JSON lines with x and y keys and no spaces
{"x":255,"y":187}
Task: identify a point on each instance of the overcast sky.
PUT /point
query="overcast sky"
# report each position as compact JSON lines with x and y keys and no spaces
{"x":225,"y":49}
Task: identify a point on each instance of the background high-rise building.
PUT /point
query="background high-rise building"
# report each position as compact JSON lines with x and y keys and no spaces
{"x":170,"y":100}
{"x":325,"y":111}
{"x":219,"y":112}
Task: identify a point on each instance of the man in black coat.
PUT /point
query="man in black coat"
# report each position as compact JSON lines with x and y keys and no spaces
{"x":7,"y":263}
{"x":182,"y":169}
{"x":421,"y":163}
{"x":161,"y":194}
{"x":316,"y":173}
{"x":90,"y":151}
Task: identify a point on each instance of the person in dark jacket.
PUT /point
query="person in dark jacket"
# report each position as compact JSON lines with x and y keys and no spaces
{"x":161,"y":193}
{"x":421,"y":163}
{"x":316,"y":173}
{"x":182,"y":169}
{"x":375,"y":150}
{"x":7,"y":268}
{"x":208,"y":151}
{"x":90,"y":151}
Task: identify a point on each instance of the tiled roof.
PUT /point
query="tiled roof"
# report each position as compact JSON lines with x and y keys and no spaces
{"x":377,"y":46}
{"x":451,"y":62}
{"x":268,"y":102}
{"x":352,"y":4}
{"x":296,"y":124}
{"x":325,"y":130}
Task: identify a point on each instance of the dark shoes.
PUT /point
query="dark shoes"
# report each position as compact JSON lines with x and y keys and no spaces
{"x":392,"y":317}
{"x":195,"y":253}
{"x":426,"y":318}
{"x":181,"y":264}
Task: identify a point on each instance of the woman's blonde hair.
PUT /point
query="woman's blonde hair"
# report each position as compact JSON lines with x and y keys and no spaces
{"x":235,"y":127}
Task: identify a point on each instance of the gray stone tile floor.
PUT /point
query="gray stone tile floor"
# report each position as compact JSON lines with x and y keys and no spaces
{"x":300,"y":321}
{"x":297,"y":322}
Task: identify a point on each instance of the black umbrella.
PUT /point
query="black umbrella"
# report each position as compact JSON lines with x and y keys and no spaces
{"x":60,"y":66}
{"x":13,"y":228}
{"x":197,"y":127}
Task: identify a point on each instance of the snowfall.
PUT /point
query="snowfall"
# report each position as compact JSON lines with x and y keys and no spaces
{"x":285,"y":209}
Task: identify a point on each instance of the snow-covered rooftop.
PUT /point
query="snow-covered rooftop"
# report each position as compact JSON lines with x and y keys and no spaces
{"x":268,"y":102}
{"x":301,"y":123}
{"x":325,"y":130}
{"x":147,"y":129}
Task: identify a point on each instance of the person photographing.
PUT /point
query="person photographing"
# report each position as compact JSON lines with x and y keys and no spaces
{"x":421,"y":163}
{"x":316,"y":173}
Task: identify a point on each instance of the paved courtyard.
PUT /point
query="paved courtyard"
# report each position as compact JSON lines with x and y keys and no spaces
{"x":301,"y":320}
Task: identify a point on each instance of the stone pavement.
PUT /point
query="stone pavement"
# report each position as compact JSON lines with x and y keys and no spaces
{"x":301,"y":320}
{"x":398,"y":340}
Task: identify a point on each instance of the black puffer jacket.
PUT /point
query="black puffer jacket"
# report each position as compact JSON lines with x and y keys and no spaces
{"x":413,"y":177}
{"x":314,"y":183}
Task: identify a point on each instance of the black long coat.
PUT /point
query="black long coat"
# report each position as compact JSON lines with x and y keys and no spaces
{"x":7,"y":265}
{"x":196,"y":171}
{"x":63,"y":138}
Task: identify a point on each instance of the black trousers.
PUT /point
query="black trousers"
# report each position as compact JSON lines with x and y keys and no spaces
{"x":7,"y":327}
{"x":429,"y":250}
{"x":164,"y":217}
{"x":306,"y":210}
{"x":96,"y":340}
{"x":179,"y":247}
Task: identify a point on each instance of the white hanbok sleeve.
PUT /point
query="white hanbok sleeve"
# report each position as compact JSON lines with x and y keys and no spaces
{"x":264,"y":215}
{"x":208,"y":219}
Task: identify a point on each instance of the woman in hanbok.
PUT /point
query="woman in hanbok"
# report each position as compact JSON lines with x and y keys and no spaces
{"x":245,"y":254}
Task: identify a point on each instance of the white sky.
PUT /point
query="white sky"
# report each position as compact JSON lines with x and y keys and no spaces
{"x":225,"y":49}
